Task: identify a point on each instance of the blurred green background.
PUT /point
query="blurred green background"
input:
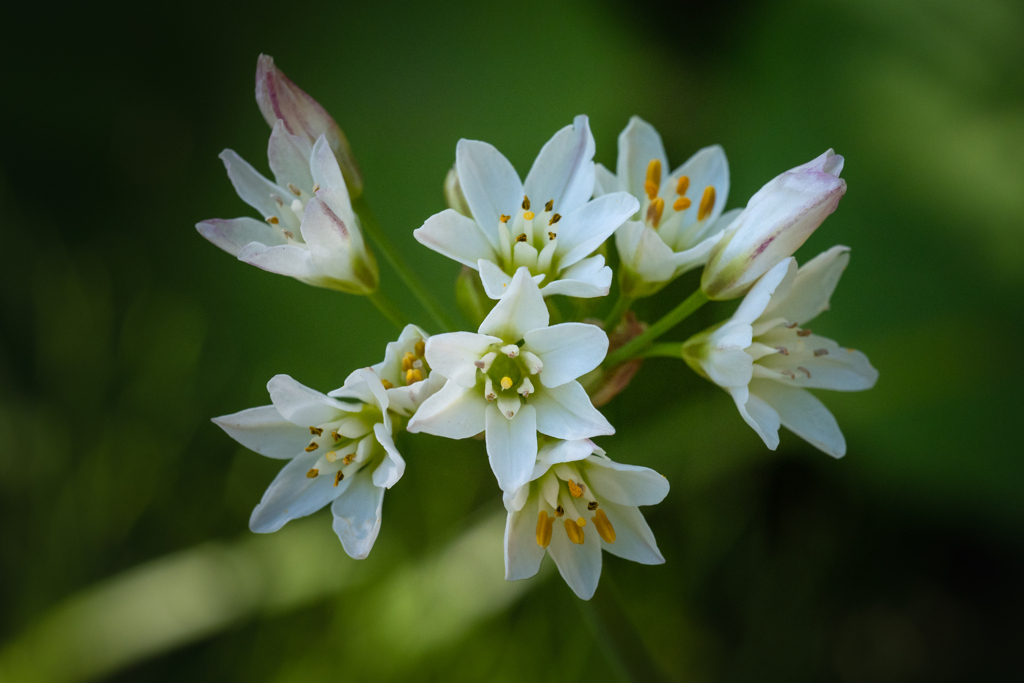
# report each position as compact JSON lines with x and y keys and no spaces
{"x":124,"y":548}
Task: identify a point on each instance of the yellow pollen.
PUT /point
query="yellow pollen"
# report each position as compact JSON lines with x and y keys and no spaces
{"x":575,"y":489}
{"x":528,"y":216}
{"x":654,"y":211}
{"x":338,"y":477}
{"x":387,"y":384}
{"x":682,"y":185}
{"x":336,"y":436}
{"x":707,"y":202}
{"x":550,"y":205}
{"x":407,"y":360}
{"x":653,"y":182}
{"x":506,"y":383}
{"x":273,"y":220}
{"x":331,"y":456}
{"x":604,"y":526}
{"x":526,"y":203}
{"x":521,"y":238}
{"x":544,"y":524}
{"x":504,"y":219}
{"x":552,"y":235}
{"x":413,"y":376}
{"x":312,"y":474}
{"x":554,"y":219}
{"x":580,"y":522}
{"x":559,"y":511}
{"x":574,"y":532}
{"x":420,"y":347}
{"x":347,"y":460}
{"x":592,"y":505}
{"x":316,"y":431}
{"x":295,"y":191}
{"x":312,"y":447}
{"x":681,"y":204}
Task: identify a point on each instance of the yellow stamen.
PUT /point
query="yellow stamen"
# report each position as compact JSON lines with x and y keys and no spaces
{"x":273,"y":220}
{"x":503,"y":218}
{"x":336,"y":436}
{"x":681,"y":204}
{"x":544,"y":524}
{"x":707,"y":202}
{"x":654,"y":211}
{"x":312,"y":474}
{"x":580,"y":522}
{"x":316,"y":187}
{"x":550,"y":205}
{"x":347,"y":460}
{"x":420,"y":348}
{"x":338,"y":477}
{"x":559,"y":511}
{"x":592,"y":505}
{"x":574,"y":532}
{"x":387,"y":384}
{"x":528,"y":216}
{"x":653,"y":182}
{"x":312,"y":447}
{"x":331,"y":456}
{"x":521,"y":238}
{"x":316,"y":431}
{"x":407,"y":360}
{"x":682,"y":185}
{"x":552,"y":235}
{"x":554,"y":219}
{"x":506,"y":383}
{"x":526,"y":203}
{"x":413,"y":376}
{"x":576,"y":490}
{"x":604,"y":526}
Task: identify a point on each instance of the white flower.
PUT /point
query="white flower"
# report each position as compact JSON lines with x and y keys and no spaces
{"x":406,"y":374}
{"x":680,"y":217}
{"x":777,"y":220}
{"x":767,"y":361}
{"x":577,"y":503}
{"x":340,"y":452}
{"x":546,"y":224}
{"x":514,"y":378}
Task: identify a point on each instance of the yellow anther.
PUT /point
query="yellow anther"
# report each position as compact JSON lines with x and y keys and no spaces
{"x":312,"y":474}
{"x":559,"y":511}
{"x":338,"y":476}
{"x":544,"y":524}
{"x":503,"y":218}
{"x":521,"y":238}
{"x":528,"y":216}
{"x":550,"y":205}
{"x":681,"y":204}
{"x":592,"y":505}
{"x":604,"y":526}
{"x":655,"y":210}
{"x":273,"y":220}
{"x":653,"y":182}
{"x":420,"y":348}
{"x":316,"y":187}
{"x":574,"y":532}
{"x":295,"y":191}
{"x":312,"y":447}
{"x":387,"y":384}
{"x":506,"y":383}
{"x":336,"y":436}
{"x":554,"y":219}
{"x":526,"y":203}
{"x":347,"y":460}
{"x":407,"y":360}
{"x":682,"y":185}
{"x":707,"y":202}
{"x":576,"y":490}
{"x":316,"y":431}
{"x":413,"y":376}
{"x":331,"y":456}
{"x":289,"y":234}
{"x":552,"y":235}
{"x":580,"y":522}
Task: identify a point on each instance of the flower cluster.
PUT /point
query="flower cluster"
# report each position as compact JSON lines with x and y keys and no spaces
{"x":528,"y":386}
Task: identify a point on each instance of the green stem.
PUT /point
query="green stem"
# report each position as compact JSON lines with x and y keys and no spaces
{"x":671,"y":319}
{"x":621,"y":306}
{"x":388,"y":308}
{"x":373,"y":229}
{"x":663,"y":350}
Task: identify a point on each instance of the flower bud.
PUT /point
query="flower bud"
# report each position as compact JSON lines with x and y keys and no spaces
{"x":453,"y":193}
{"x":777,"y":220}
{"x":280,"y":99}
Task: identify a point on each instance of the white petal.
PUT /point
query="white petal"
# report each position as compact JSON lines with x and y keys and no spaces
{"x":357,"y":516}
{"x":495,"y":280}
{"x":586,"y":228}
{"x":643,"y":253}
{"x":638,"y":144}
{"x":685,"y":261}
{"x":817,"y":362}
{"x":293,"y":495}
{"x":587,"y":279}
{"x":453,"y":354}
{"x":264,"y":430}
{"x":561,"y":451}
{"x":333,"y":238}
{"x":707,"y":168}
{"x":233,"y":234}
{"x":568,"y":350}
{"x":803,"y":414}
{"x":490,"y":184}
{"x":759,"y":296}
{"x":289,"y":158}
{"x":455,"y":412}
{"x":566,"y":412}
{"x":761,"y":417}
{"x":625,"y":484}
{"x":522,"y":554}
{"x":579,"y":565}
{"x":605,"y":181}
{"x":323,"y":165}
{"x":451,"y":234}
{"x":392,"y":467}
{"x":633,"y":537}
{"x":564,"y":169}
{"x":520,"y":310}
{"x":301,"y":405}
{"x":285,"y":259}
{"x":512,"y":446}
{"x":251,"y":186}
{"x":811,"y":289}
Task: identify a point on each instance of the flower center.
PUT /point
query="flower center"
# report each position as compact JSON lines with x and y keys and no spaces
{"x":529,"y":238}
{"x":290,"y":210}
{"x":347,"y":445}
{"x":506,"y":372}
{"x":565,"y":495}
{"x":668,"y":219}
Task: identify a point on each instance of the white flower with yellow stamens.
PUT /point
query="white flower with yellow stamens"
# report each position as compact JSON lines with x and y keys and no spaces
{"x":680,"y":218}
{"x":577,"y":503}
{"x":512,"y":379}
{"x":406,"y":374}
{"x":340,"y":448}
{"x":767,"y":361}
{"x":548,"y":224}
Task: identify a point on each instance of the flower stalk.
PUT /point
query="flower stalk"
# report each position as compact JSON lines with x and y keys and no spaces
{"x":634,"y":348}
